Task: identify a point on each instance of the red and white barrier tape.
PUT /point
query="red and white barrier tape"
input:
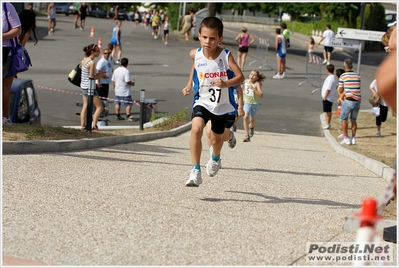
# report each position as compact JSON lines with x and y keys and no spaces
{"x":151,"y":106}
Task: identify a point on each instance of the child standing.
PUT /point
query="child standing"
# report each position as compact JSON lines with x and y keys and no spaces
{"x":329,"y":93}
{"x":252,"y":93}
{"x":116,"y":41}
{"x":382,"y":117}
{"x":213,"y":72}
{"x":310,"y":47}
{"x":166,"y":27}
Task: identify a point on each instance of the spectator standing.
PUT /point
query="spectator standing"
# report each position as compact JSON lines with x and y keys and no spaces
{"x":286,"y":33}
{"x":52,"y":20}
{"x":252,"y":93}
{"x":382,"y":117}
{"x":244,"y":40}
{"x":116,"y":12}
{"x":310,"y":48}
{"x":116,"y":40}
{"x":328,"y":34}
{"x":28,"y":26}
{"x":105,"y":65}
{"x":329,"y":94}
{"x":89,"y":72}
{"x":350,"y":97}
{"x":76,"y":6}
{"x":123,"y":97}
{"x":83,"y":14}
{"x":11,"y":29}
{"x":186,"y":24}
{"x":281,"y":48}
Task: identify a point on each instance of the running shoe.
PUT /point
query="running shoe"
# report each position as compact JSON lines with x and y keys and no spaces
{"x":95,"y":128}
{"x":233,"y":141}
{"x":346,"y":141}
{"x":194,"y":179}
{"x":247,"y":138}
{"x":213,"y":167}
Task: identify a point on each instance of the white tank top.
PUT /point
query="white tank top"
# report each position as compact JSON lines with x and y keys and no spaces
{"x":217,"y":100}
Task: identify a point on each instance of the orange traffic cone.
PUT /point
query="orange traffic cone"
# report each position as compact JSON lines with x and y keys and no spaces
{"x":338,"y":111}
{"x":99,"y":43}
{"x":366,"y":232}
{"x":92,"y":31}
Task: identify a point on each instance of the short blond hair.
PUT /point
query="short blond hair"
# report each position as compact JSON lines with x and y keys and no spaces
{"x":244,"y":29}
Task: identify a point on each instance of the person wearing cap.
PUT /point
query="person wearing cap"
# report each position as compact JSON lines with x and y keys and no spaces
{"x":244,"y":40}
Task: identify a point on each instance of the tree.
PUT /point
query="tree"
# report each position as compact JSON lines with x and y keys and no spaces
{"x":213,"y":8}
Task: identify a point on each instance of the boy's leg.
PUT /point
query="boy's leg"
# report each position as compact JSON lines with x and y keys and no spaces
{"x":197,"y":129}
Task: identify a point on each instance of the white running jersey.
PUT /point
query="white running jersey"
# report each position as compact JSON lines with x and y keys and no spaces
{"x":217,"y":100}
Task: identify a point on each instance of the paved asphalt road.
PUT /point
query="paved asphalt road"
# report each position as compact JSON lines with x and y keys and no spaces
{"x":162,"y":70}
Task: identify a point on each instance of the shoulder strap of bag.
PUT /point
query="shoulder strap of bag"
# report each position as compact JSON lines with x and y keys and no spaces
{"x":13,"y":41}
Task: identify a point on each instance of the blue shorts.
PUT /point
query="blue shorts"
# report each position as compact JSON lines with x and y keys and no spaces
{"x":123,"y":101}
{"x":281,"y":55}
{"x":252,"y":109}
{"x":84,"y":92}
{"x":349,"y":107}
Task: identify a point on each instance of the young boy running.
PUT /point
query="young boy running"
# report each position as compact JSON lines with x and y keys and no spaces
{"x":213,"y":71}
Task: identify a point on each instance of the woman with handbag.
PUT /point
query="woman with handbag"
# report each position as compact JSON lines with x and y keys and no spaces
{"x":89,"y":73}
{"x":28,"y":27}
{"x":11,"y":30}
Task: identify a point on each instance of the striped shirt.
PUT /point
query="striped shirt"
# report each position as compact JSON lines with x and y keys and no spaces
{"x":84,"y":83}
{"x":350,"y":81}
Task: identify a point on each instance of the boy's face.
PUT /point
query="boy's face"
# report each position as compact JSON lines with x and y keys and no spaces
{"x":209,"y":39}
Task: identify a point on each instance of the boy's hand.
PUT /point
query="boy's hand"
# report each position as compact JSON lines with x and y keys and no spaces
{"x":220,"y":83}
{"x":240,"y":111}
{"x":186,"y":90}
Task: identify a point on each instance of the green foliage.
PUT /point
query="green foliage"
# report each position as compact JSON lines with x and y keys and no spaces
{"x":374,"y":17}
{"x":171,"y":122}
{"x":35,"y":132}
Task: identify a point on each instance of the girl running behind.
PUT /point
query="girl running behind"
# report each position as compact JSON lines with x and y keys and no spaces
{"x":252,"y":92}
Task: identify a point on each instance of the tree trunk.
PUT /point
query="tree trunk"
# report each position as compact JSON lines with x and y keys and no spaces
{"x":213,"y":8}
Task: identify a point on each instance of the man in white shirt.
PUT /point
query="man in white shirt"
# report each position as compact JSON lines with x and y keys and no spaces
{"x":329,"y":93}
{"x":328,"y":34}
{"x":121,"y":82}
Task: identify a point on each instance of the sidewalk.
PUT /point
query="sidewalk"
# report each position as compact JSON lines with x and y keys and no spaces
{"x":126,"y":204}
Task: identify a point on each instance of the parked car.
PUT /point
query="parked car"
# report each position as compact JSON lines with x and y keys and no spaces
{"x":24,"y":107}
{"x":390,"y":20}
{"x":199,"y":16}
{"x":122,"y":14}
{"x":98,"y":12}
{"x":62,"y":8}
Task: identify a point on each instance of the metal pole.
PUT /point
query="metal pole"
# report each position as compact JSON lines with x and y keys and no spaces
{"x":359,"y":57}
{"x":90,"y":94}
{"x":142,"y":106}
{"x":178,"y":20}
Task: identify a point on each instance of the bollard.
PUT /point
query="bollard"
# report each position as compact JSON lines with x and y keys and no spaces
{"x":366,"y":232}
{"x":90,"y":94}
{"x":142,"y":106}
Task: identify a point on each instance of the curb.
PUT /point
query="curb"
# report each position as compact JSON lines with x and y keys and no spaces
{"x":34,"y":147}
{"x":384,"y":171}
